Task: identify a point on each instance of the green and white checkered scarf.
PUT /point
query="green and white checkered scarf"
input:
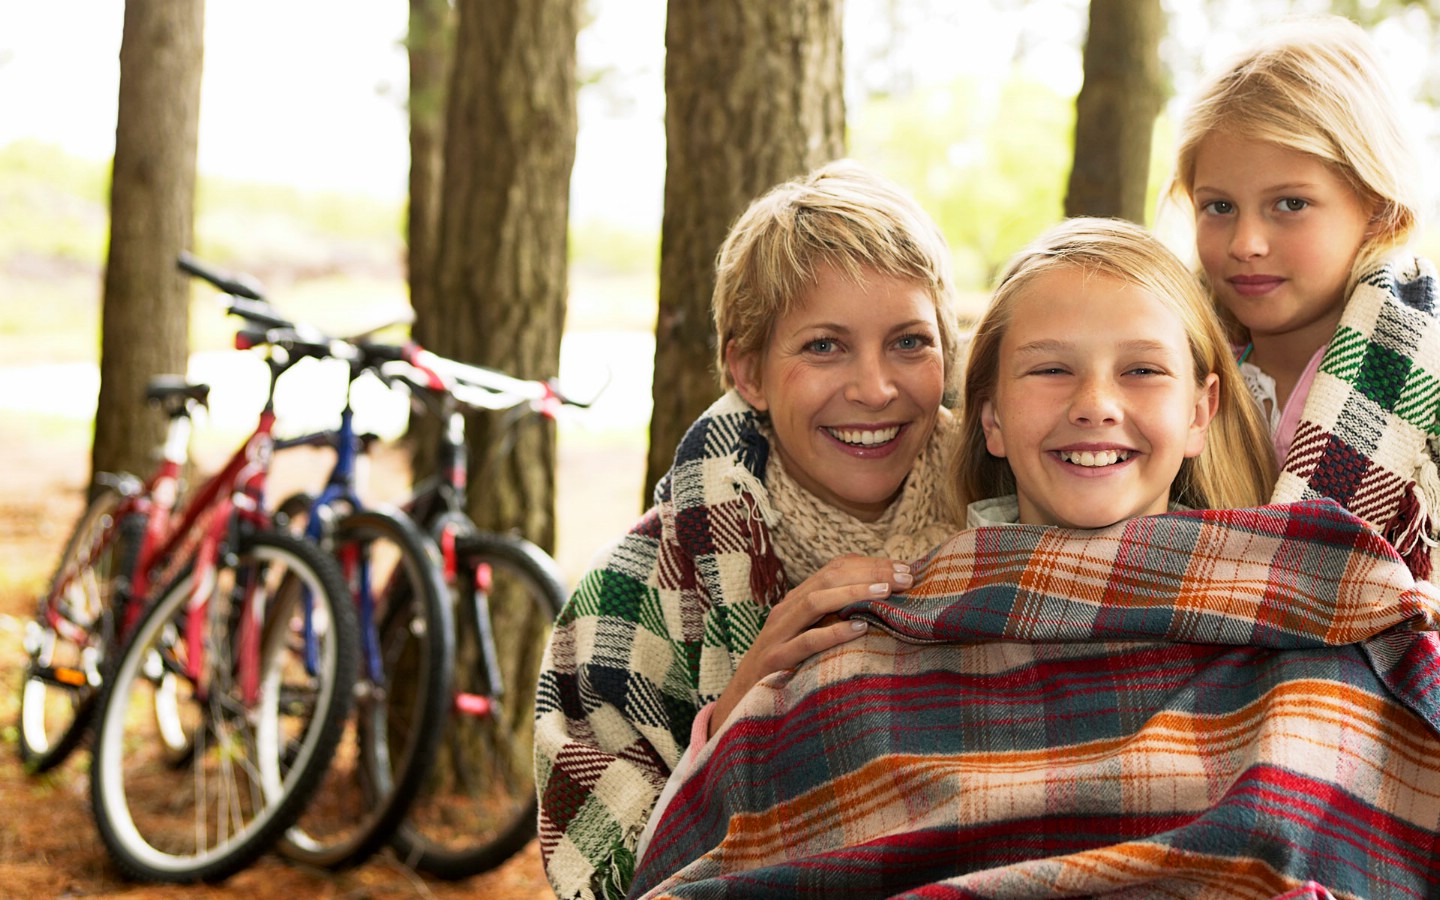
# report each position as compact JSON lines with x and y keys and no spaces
{"x":1368,"y":433}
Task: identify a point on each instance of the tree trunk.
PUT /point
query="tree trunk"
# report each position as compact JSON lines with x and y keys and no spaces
{"x":429,"y":42}
{"x":501,"y":265}
{"x":145,"y":310}
{"x":754,"y":96}
{"x":1116,"y":109}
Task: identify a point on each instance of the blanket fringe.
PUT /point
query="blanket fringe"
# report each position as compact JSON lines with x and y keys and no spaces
{"x":1410,"y":530}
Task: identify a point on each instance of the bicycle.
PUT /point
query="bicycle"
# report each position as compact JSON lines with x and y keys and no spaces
{"x":479,"y":807}
{"x":406,"y":639}
{"x":247,"y":643}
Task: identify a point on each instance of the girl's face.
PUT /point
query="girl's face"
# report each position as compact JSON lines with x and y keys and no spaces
{"x":1097,"y":403}
{"x":852,"y":379}
{"x":1277,"y":232}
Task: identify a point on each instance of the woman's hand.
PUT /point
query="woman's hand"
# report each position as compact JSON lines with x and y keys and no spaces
{"x":804,"y":623}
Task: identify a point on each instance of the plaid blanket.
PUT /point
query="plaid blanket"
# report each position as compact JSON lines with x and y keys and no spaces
{"x":1235,"y":703}
{"x":1364,"y":437}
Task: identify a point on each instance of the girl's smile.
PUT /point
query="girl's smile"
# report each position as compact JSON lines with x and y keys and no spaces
{"x":1097,"y":459}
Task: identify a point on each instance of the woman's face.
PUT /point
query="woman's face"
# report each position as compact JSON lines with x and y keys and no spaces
{"x":852,"y":378}
{"x":1096,"y":403}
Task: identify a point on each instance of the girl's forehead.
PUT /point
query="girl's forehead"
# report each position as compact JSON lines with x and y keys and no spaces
{"x":1071,"y":305}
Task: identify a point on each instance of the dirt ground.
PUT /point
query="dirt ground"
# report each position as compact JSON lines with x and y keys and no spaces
{"x":48,"y":844}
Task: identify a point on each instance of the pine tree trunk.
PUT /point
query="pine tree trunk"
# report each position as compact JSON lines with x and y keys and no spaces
{"x":754,"y":96}
{"x":145,"y":310}
{"x":429,"y":42}
{"x":501,"y":265}
{"x":1116,"y":109}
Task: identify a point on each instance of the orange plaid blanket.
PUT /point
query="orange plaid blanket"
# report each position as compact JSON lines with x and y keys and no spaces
{"x":1235,"y":703}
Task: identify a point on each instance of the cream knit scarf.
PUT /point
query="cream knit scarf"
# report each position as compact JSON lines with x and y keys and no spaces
{"x":809,"y":532}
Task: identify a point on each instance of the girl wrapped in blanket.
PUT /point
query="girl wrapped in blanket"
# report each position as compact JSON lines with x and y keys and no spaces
{"x":1304,"y":189}
{"x":1110,"y":684}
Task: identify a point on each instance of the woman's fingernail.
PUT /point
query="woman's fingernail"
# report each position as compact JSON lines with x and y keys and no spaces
{"x":903,"y":578}
{"x":880,"y":588}
{"x":902,"y":568}
{"x":858,"y":625}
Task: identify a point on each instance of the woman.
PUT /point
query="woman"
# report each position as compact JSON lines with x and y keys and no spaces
{"x":811,"y":483}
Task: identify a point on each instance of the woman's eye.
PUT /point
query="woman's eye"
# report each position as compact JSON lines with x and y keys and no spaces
{"x":1292,"y":204}
{"x":914,"y":342}
{"x":822,"y":345}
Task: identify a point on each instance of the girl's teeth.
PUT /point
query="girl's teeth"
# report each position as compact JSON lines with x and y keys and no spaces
{"x":1092,"y":459}
{"x":865,"y":438}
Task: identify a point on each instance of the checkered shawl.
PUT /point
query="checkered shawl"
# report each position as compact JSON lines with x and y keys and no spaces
{"x":1364,"y":434}
{"x":1195,"y":704}
{"x":652,"y":633}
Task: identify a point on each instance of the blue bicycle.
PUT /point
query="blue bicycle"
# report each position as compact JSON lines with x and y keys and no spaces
{"x":402,"y":694}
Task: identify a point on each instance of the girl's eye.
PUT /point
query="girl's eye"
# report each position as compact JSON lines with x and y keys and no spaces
{"x":1218,"y":207}
{"x":1291,"y":204}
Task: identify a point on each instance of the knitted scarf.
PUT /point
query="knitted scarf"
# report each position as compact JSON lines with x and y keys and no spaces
{"x":1365,"y":435}
{"x":808,"y":532}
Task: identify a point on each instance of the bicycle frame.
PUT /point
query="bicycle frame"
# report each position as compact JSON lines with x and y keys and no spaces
{"x":340,"y":487}
{"x":153,"y":500}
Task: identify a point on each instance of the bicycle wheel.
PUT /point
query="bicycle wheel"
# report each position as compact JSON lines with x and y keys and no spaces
{"x":478,"y":807}
{"x":257,"y":750}
{"x":67,"y":638}
{"x":402,"y":694}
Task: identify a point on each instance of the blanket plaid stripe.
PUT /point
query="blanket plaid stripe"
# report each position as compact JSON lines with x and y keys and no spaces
{"x":1212,"y":704}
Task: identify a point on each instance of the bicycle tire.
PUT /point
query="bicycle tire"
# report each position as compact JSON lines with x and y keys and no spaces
{"x":62,"y":674}
{"x":478,"y":807}
{"x":400,"y":711}
{"x":254,"y":767}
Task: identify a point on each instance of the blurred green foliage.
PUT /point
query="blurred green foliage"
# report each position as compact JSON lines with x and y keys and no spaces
{"x":989,"y":161}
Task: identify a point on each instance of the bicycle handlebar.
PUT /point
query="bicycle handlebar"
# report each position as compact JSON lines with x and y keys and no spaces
{"x":480,"y":387}
{"x":474,"y":386}
{"x":239,"y":286}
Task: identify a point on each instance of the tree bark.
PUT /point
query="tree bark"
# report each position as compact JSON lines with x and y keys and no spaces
{"x":145,"y":308}
{"x":429,"y":44}
{"x":754,"y":96}
{"x":1115,"y":111}
{"x":501,"y":260}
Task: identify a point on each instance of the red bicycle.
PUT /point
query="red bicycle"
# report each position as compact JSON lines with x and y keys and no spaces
{"x":215,"y":655}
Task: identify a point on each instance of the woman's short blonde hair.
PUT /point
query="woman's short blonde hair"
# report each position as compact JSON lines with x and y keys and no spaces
{"x":1315,"y":85}
{"x":840,"y":215}
{"x":1236,"y":467}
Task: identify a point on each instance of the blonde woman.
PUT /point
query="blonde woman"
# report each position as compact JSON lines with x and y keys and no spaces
{"x":811,"y":483}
